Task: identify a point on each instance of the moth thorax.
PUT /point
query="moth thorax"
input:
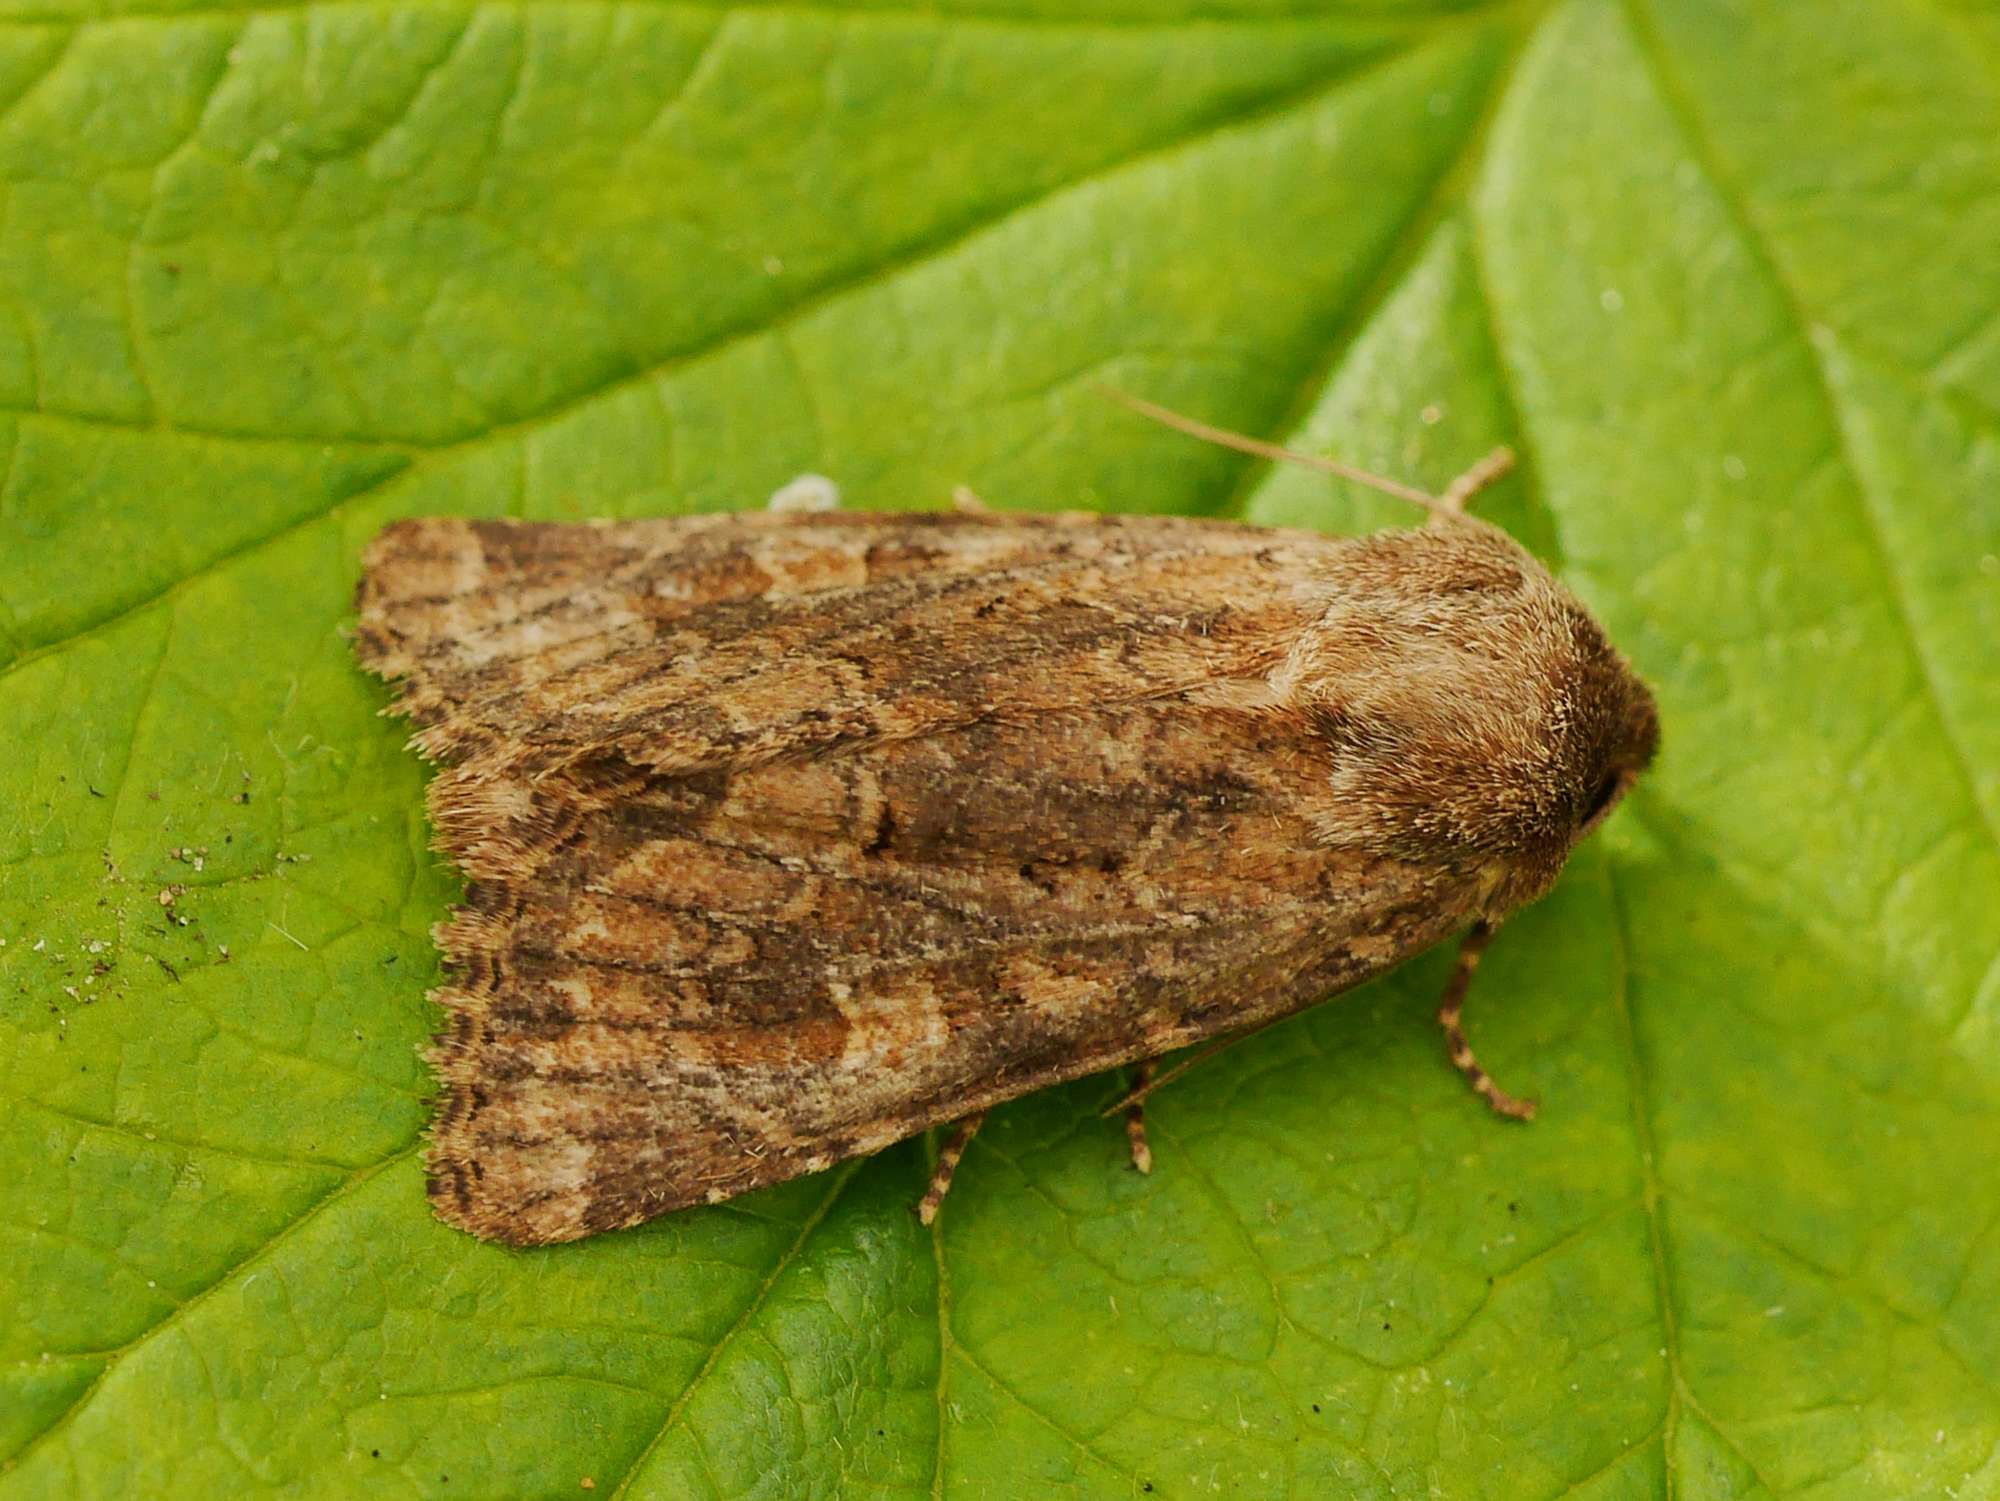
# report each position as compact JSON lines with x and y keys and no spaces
{"x":1468,"y":707}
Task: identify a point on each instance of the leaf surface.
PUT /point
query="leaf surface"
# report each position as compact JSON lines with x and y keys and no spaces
{"x":1725,"y":275}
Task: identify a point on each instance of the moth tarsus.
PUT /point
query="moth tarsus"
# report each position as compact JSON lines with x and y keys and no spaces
{"x":1450,"y":1017}
{"x":795,"y":833}
{"x":947,"y":1167}
{"x":1135,"y":1118}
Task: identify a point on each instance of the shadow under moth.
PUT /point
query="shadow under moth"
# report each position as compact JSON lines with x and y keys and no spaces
{"x":791,"y":834}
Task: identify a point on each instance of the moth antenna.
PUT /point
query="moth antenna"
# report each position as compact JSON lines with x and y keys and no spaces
{"x":1243,"y":443}
{"x":1458,"y":494}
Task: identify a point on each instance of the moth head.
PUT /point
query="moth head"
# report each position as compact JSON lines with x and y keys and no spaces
{"x":1470,"y":710}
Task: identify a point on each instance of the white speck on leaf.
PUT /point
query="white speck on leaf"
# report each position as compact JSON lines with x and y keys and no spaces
{"x":808,"y":492}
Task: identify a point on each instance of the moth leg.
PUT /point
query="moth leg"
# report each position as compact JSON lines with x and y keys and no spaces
{"x":1458,"y":494}
{"x":947,"y":1165}
{"x":965,"y":500}
{"x":1135,"y":1118}
{"x":1451,"y":1009}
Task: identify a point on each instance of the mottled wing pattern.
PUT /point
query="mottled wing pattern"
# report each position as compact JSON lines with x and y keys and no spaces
{"x":792,"y":836}
{"x":486,"y":623}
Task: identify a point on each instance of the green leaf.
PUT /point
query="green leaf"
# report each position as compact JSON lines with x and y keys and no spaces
{"x":1724,"y":274}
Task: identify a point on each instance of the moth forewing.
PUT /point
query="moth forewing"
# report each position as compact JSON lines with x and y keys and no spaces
{"x":794,"y":834}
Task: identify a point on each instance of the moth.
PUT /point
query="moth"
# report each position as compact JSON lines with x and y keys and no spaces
{"x":792,"y":834}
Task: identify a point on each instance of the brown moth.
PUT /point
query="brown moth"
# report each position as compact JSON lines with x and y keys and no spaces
{"x":792,"y":834}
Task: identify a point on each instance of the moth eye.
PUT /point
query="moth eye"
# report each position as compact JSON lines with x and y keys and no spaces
{"x":1601,"y":798}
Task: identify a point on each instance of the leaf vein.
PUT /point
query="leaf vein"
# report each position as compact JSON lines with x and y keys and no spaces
{"x":841,"y":1179}
{"x":176,"y":1316}
{"x":928,"y":250}
{"x":1076,"y":1441}
{"x":1674,"y":95}
{"x":156,"y":1139}
{"x":806,"y":10}
{"x":1642,"y":1133}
